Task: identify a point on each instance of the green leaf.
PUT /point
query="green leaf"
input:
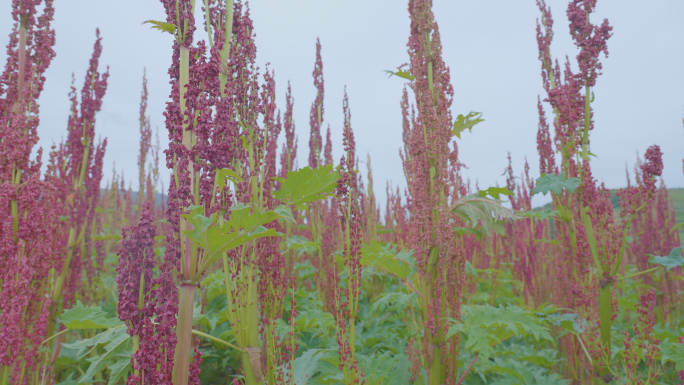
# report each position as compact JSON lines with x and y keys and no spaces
{"x":486,"y":326}
{"x":92,"y":317}
{"x":674,"y":352}
{"x":306,"y":366}
{"x":467,"y":122}
{"x":677,"y":227}
{"x":548,"y":241}
{"x":539,"y":214}
{"x":301,"y":245}
{"x":226,"y":173}
{"x":119,"y":368}
{"x":495,"y":192}
{"x":200,"y":225}
{"x":245,"y":224}
{"x":401,"y":74}
{"x":483,"y":212}
{"x":386,"y":258}
{"x":674,"y":259}
{"x":162,"y":26}
{"x":469,"y":231}
{"x":556,"y":184}
{"x":69,"y":380}
{"x":306,"y":185}
{"x":118,"y":349}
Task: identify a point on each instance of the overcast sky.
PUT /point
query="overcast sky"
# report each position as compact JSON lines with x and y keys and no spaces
{"x":489,"y":46}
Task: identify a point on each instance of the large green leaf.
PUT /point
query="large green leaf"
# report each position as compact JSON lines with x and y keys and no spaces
{"x":674,"y":352}
{"x":555,"y":184}
{"x":118,"y":349}
{"x":245,"y":224}
{"x":484,"y":212}
{"x":466,"y":122}
{"x":90,"y":317}
{"x":539,"y":214}
{"x":307,"y":185}
{"x":486,"y":326}
{"x":386,"y":258}
{"x":306,"y":366}
{"x":301,"y":245}
{"x":672,"y":260}
{"x":495,"y":192}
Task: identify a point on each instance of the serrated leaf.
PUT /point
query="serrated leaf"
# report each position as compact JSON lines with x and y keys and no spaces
{"x":245,"y":224}
{"x":84,"y":347}
{"x":483,"y":212}
{"x":69,"y":380}
{"x":388,"y":259}
{"x":119,"y":369}
{"x":672,"y":351}
{"x":486,"y":326}
{"x":539,"y":214}
{"x":90,"y":317}
{"x":466,"y":122}
{"x":161,"y":26}
{"x":400,"y":73}
{"x":200,"y":225}
{"x":306,"y":366}
{"x":117,"y":354}
{"x":301,"y":245}
{"x":394,"y":301}
{"x":306,"y":185}
{"x":118,"y":349}
{"x":469,"y":231}
{"x":495,"y":192}
{"x":672,"y":260}
{"x":555,"y":183}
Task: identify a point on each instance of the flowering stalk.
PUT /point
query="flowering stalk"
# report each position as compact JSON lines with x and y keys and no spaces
{"x":183,"y":191}
{"x":76,"y":173}
{"x":430,"y":166}
{"x":139,"y":301}
{"x":347,"y":304}
{"x":27,"y":204}
{"x":145,"y":144}
{"x":592,"y":235}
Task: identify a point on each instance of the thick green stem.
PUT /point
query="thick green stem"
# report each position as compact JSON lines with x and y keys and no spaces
{"x":437,"y":375}
{"x":181,"y":359}
{"x":225,"y":50}
{"x":4,"y":374}
{"x":606,"y":313}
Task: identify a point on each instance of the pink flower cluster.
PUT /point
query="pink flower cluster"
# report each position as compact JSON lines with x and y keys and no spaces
{"x":147,"y":304}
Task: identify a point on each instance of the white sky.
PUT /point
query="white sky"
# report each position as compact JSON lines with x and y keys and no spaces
{"x":489,"y":45}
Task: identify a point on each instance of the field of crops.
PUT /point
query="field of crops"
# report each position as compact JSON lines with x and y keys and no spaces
{"x":252,"y":267}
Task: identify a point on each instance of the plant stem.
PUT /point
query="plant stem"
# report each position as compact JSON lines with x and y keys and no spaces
{"x":639,"y":273}
{"x":472,"y":363}
{"x":220,"y":341}
{"x":181,"y":361}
